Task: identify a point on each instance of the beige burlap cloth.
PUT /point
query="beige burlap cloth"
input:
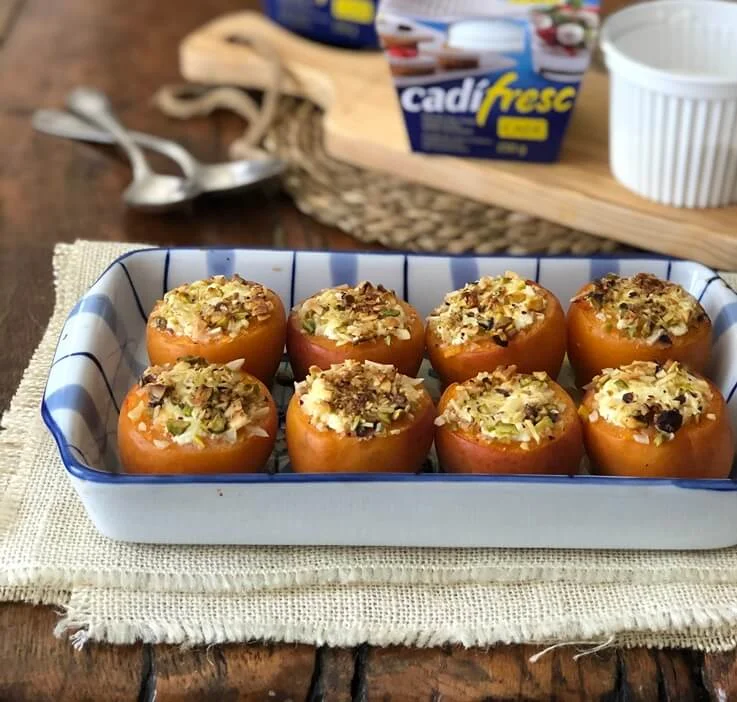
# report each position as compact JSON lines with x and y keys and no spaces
{"x":51,"y":553}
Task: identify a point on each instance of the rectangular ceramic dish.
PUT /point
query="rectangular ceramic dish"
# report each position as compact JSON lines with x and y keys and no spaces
{"x":101,"y":352}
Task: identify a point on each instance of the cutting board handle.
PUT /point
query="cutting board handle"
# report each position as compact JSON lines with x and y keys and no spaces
{"x":245,"y":48}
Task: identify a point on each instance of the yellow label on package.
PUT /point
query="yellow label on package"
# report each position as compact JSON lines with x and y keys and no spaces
{"x":359,"y":11}
{"x":488,"y":78}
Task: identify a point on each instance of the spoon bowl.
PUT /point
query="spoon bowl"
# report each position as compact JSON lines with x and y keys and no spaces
{"x":234,"y":176}
{"x":226,"y":177}
{"x":148,"y":190}
{"x":156,"y":192}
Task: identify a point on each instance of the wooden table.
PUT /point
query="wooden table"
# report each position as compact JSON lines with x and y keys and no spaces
{"x":51,"y":191}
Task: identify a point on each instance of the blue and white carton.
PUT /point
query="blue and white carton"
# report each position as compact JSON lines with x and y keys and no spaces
{"x":488,"y":78}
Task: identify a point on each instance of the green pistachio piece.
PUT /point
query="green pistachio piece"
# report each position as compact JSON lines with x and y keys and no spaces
{"x":177,"y":426}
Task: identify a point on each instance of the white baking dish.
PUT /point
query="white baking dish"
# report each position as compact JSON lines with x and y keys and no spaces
{"x":101,"y":352}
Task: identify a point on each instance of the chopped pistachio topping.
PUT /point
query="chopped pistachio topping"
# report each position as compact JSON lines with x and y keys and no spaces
{"x":355,"y":398}
{"x":492,"y":307}
{"x":191,"y":401}
{"x":652,"y":399}
{"x":213,"y":307}
{"x":506,"y":406}
{"x":643,"y":307}
{"x":349,"y":315}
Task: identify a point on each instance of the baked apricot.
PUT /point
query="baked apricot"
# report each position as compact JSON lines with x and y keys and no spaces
{"x":220,"y":319}
{"x":359,"y":417}
{"x":650,"y":420}
{"x":496,"y":321}
{"x":613,"y":321}
{"x":195,"y":417}
{"x":507,"y":422}
{"x":365,"y":322}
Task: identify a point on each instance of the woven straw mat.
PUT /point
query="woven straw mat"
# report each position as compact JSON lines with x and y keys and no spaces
{"x":371,"y":206}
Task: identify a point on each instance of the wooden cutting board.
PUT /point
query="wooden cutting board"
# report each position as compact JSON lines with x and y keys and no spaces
{"x":364,"y":126}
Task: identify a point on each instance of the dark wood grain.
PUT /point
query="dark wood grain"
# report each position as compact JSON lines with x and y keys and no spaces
{"x":245,"y":673}
{"x":502,"y":673}
{"x":52,"y":190}
{"x":506,"y":673}
{"x":9,"y":9}
{"x":720,"y":676}
{"x":36,"y":667}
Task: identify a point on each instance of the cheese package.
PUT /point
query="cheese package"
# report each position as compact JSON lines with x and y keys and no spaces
{"x":344,"y":23}
{"x":488,"y":78}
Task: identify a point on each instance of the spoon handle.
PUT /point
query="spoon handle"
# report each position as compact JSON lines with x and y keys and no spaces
{"x":68,"y":126}
{"x":94,"y":106}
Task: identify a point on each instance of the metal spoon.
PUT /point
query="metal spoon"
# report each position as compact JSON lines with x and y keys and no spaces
{"x":224,"y":177}
{"x":148,"y":190}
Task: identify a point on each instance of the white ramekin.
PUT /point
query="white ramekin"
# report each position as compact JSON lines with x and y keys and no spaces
{"x":673,"y":94}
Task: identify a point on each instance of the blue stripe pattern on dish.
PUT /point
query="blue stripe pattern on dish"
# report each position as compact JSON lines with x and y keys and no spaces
{"x":343,"y":268}
{"x":726,"y":319}
{"x":79,"y":451}
{"x":139,"y":306}
{"x":165,"y":273}
{"x":601,"y":266}
{"x":75,"y":397}
{"x":103,"y":307}
{"x":220,"y":262}
{"x":463,"y":270}
{"x":98,"y":365}
{"x":706,"y":287}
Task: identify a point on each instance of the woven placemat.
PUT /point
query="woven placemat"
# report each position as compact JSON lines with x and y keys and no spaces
{"x":371,"y":206}
{"x":118,"y":592}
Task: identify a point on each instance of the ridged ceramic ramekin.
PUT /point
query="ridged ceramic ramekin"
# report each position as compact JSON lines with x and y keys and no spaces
{"x":673,"y":112}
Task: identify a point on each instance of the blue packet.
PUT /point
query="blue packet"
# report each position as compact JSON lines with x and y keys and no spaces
{"x":345,"y":23}
{"x":491,"y":79}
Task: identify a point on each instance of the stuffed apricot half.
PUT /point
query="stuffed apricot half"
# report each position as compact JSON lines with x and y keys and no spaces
{"x":496,"y":321}
{"x":196,"y":417}
{"x":651,"y":420}
{"x":220,"y":319}
{"x":616,"y":320}
{"x":359,"y":417}
{"x":508,"y":422}
{"x":364,"y":322}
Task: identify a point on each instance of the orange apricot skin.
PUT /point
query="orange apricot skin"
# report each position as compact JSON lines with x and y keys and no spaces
{"x":703,"y":450}
{"x":139,"y":455}
{"x":540,"y":347}
{"x":307,"y":350}
{"x":313,"y":450}
{"x":464,"y":452}
{"x":261,"y":344}
{"x":591,"y":348}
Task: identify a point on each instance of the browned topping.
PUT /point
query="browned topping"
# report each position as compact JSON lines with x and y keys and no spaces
{"x":655,"y":400}
{"x":643,"y":307}
{"x":356,"y":398}
{"x":492,"y":307}
{"x":212,"y":307}
{"x":349,"y":315}
{"x":506,"y":406}
{"x":192,"y":400}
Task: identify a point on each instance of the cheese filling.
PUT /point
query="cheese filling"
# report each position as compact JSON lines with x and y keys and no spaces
{"x":506,"y":406}
{"x":362,"y":399}
{"x":216,"y":306}
{"x":655,"y":400}
{"x":192,"y":401}
{"x":492,"y":307}
{"x":349,"y":315}
{"x":643,"y":307}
